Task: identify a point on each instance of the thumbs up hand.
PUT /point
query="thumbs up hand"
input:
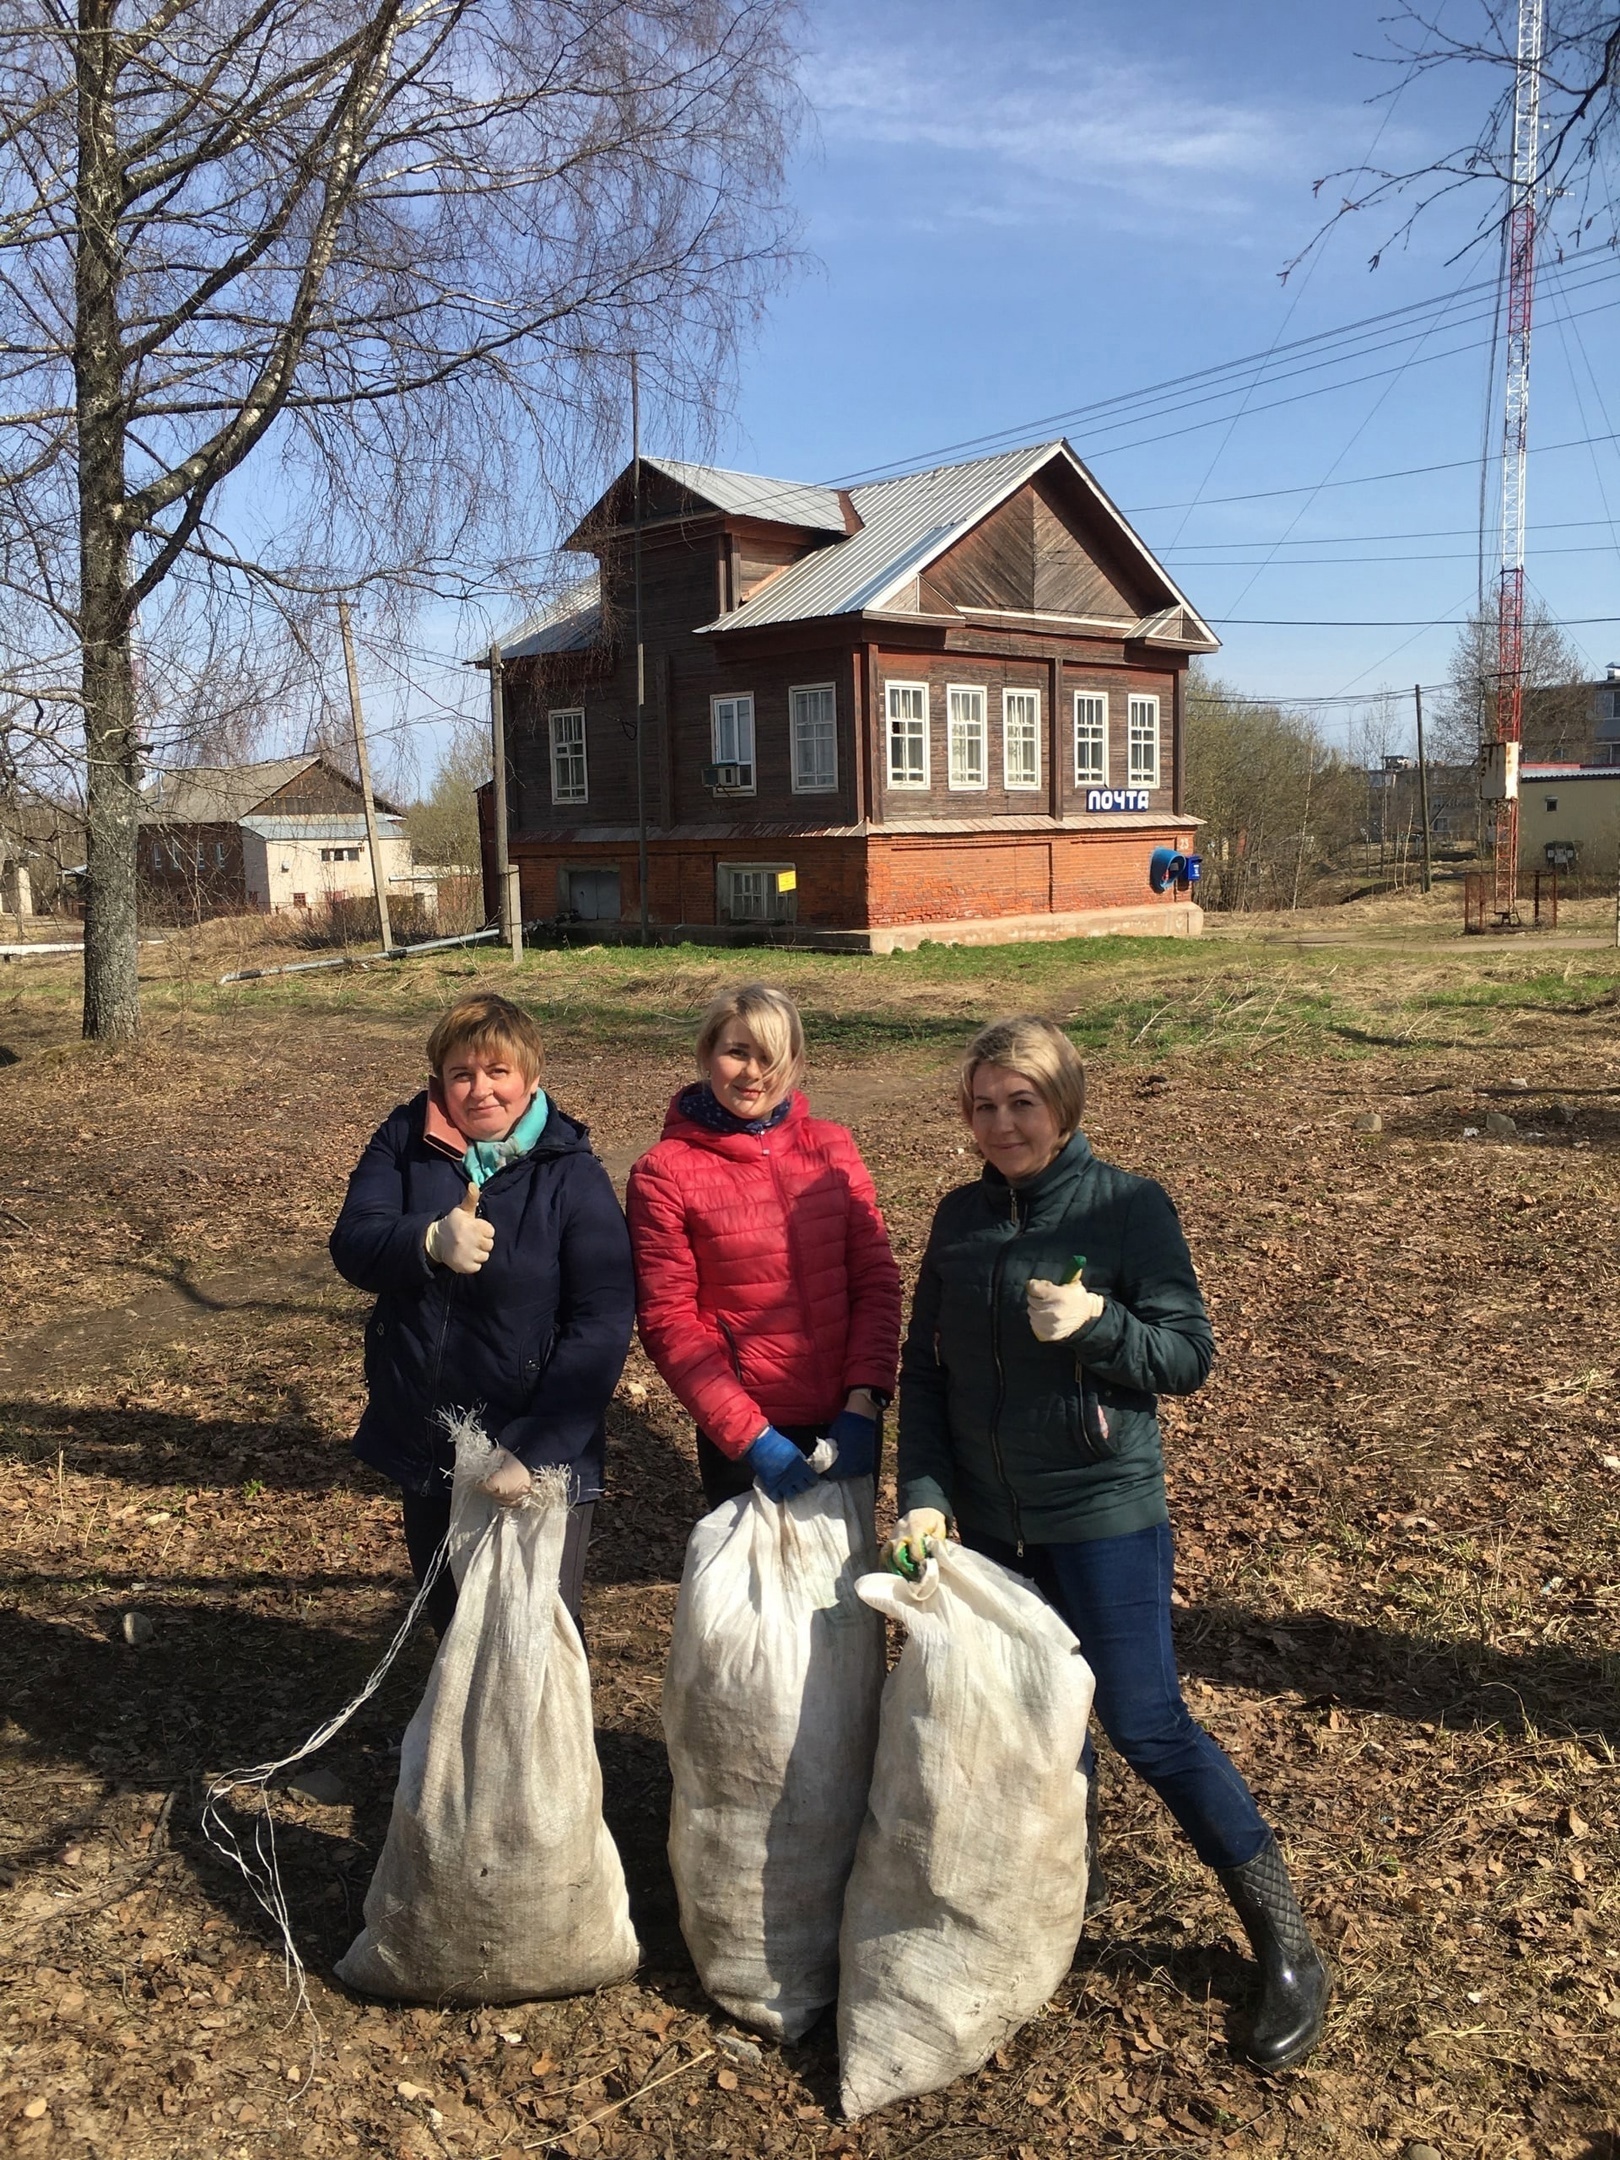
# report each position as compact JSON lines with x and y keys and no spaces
{"x":1059,"y":1310}
{"x":461,"y":1241}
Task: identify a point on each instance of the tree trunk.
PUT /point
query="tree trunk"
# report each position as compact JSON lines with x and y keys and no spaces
{"x":112,"y":769}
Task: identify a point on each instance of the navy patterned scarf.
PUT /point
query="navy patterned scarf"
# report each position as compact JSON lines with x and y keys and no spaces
{"x":700,"y":1103}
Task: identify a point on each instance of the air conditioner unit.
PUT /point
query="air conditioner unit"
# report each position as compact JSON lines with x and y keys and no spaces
{"x":723,"y":779}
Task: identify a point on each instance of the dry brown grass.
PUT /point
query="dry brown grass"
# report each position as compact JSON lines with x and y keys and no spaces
{"x":1396,"y":1518}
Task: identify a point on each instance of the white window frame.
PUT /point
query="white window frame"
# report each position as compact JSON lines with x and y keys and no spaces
{"x":824,"y":779}
{"x":1008,"y":697}
{"x":770,"y":898}
{"x":1142,"y":736}
{"x":905,"y":779}
{"x":1083,"y":775}
{"x":739,"y":704}
{"x":573,"y":752}
{"x":958,"y":726}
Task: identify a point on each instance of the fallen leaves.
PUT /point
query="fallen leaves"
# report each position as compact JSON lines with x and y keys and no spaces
{"x":1394,"y":1555}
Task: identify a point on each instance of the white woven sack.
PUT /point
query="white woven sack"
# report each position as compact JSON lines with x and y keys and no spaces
{"x":770,"y":1715}
{"x":969,"y":1885}
{"x":499,"y":1880}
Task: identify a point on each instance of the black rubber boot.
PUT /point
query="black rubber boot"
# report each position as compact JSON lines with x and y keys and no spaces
{"x":1096,"y":1881}
{"x":1294,"y":1981}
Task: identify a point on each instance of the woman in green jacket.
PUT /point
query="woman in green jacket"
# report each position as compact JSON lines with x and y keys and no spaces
{"x":1057,"y":1301}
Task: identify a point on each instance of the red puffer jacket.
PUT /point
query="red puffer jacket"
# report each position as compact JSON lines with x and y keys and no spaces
{"x":765,"y":1286}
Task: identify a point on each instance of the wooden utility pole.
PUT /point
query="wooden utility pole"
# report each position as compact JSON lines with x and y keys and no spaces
{"x":641,"y":658}
{"x":1423,"y":786}
{"x":379,"y":874}
{"x":507,"y":889}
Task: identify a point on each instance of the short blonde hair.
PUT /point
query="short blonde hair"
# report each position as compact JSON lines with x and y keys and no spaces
{"x":771,"y":1017}
{"x":483,"y":1023}
{"x":1038,"y":1048}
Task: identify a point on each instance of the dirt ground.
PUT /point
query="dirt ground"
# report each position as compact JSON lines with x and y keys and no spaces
{"x":1397,"y":1506}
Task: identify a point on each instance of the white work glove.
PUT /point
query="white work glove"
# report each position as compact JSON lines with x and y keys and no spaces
{"x":906,"y":1551}
{"x":507,"y":1481}
{"x":461,"y":1241}
{"x":1059,"y":1310}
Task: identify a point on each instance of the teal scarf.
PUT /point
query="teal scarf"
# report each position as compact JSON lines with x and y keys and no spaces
{"x":484,"y":1157}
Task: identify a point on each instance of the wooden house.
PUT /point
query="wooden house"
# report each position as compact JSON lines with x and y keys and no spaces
{"x":286,"y":834}
{"x":947,"y":706}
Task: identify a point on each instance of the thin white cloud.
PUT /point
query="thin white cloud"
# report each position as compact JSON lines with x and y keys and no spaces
{"x":1028,"y":127}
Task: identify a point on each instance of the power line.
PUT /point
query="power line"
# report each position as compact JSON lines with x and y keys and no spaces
{"x":1579,"y":277}
{"x":1436,"y":622}
{"x":1369,"y":562}
{"x":1404,"y":472}
{"x":1438,"y":532}
{"x":1341,"y":697}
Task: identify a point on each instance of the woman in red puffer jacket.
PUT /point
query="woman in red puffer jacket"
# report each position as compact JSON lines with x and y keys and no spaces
{"x":766,"y":1291}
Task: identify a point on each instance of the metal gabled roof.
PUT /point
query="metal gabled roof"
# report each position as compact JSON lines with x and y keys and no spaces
{"x":740,"y":494}
{"x":570,"y":623}
{"x":217,"y":794}
{"x":734,"y":494}
{"x":909,"y":522}
{"x":323,"y":825}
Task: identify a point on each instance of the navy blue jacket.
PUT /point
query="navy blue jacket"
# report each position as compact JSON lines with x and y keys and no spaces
{"x":535,"y":1340}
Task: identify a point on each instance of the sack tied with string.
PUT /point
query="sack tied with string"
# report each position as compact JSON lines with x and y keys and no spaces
{"x":770,"y":1715}
{"x":499,"y":1880}
{"x":969,"y":1886}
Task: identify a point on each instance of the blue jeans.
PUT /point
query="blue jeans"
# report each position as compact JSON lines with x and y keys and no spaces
{"x":1115,"y":1594}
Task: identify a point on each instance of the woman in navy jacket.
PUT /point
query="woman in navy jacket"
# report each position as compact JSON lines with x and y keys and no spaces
{"x":489,"y":1234}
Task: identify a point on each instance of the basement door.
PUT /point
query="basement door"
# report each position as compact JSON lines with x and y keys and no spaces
{"x":593,"y":895}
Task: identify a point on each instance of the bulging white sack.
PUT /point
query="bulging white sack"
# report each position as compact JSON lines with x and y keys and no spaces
{"x":969,"y":1885}
{"x":770,"y":1715}
{"x":499,"y":1880}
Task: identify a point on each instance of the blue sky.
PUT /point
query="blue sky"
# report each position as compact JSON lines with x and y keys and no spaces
{"x":1016,"y":208}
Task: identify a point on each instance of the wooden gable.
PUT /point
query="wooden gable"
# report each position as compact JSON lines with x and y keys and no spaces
{"x":1030,"y":557}
{"x":320,"y":787}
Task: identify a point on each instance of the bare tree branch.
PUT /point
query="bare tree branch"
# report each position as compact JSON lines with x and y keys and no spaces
{"x":301,"y":296}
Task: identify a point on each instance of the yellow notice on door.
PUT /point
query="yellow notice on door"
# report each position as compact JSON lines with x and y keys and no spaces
{"x":787,"y":881}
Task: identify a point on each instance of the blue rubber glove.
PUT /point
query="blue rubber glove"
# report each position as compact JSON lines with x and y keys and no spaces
{"x":855,"y":1438}
{"x":779,"y":1469}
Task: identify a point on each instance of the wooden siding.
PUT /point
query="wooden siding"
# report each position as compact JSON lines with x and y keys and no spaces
{"x":180,"y":876}
{"x":994,"y":672}
{"x":320,"y":788}
{"x":680,"y":578}
{"x":1026,"y":557}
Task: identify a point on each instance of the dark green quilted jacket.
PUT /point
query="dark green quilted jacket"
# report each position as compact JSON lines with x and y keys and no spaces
{"x":1036,"y":1442}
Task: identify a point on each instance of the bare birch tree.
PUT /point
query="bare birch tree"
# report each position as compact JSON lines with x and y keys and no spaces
{"x":1580,"y":108}
{"x":299,"y":295}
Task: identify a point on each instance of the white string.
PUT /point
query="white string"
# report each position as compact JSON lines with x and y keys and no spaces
{"x":262,"y":1872}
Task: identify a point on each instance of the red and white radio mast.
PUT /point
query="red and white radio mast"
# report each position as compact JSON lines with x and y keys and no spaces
{"x":1507,"y":720}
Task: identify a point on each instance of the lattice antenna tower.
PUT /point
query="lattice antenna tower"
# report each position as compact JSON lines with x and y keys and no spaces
{"x":1502,"y":761}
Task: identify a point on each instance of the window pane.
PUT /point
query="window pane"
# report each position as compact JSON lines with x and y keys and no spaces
{"x":1021,"y":740}
{"x":734,"y":735}
{"x":967,"y":738}
{"x":1090,"y":739}
{"x":815,"y":740}
{"x":908,"y":734}
{"x":568,"y":757}
{"x":1144,"y":741}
